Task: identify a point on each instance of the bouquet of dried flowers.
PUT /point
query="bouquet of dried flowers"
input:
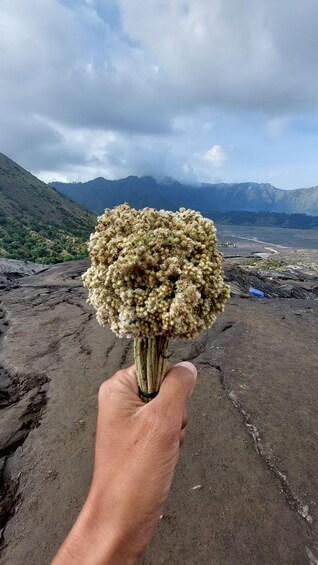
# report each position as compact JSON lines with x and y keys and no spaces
{"x":155,"y":276}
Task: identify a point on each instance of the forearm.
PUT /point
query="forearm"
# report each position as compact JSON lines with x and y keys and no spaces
{"x":93,"y":541}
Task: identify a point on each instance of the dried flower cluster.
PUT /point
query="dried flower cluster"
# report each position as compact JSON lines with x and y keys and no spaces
{"x":155,"y":273}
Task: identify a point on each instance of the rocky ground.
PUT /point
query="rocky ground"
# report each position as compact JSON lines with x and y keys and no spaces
{"x":246,"y":487}
{"x":11,"y":271}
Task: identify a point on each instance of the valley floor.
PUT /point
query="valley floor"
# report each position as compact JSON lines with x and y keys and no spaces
{"x":281,"y":237}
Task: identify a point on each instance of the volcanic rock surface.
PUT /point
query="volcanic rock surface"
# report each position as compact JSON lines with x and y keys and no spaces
{"x":246,"y":486}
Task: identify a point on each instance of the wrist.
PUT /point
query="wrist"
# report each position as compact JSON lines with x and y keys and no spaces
{"x":94,"y":540}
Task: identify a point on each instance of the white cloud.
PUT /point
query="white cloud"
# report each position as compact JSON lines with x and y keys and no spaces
{"x":277,"y":126}
{"x":278,"y":173}
{"x":216,"y":155}
{"x":182,"y":123}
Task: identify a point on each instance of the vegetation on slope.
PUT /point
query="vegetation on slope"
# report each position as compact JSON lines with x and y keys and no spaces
{"x":268,"y":264}
{"x":37,"y":223}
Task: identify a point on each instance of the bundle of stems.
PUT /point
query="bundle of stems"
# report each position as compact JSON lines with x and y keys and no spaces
{"x":151,"y":361}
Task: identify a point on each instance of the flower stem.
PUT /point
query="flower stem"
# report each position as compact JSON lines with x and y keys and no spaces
{"x":151,"y":364}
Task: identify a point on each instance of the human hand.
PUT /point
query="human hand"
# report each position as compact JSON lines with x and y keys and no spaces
{"x":137,"y":448}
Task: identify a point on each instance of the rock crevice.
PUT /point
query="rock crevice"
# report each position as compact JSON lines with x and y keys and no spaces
{"x":291,"y":497}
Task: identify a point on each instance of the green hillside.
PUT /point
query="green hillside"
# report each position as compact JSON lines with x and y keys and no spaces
{"x":38,"y":223}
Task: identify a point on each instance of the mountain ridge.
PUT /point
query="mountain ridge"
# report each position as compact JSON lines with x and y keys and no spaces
{"x":100,"y":193}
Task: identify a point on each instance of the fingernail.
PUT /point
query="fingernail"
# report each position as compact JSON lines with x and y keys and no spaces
{"x":189,"y":366}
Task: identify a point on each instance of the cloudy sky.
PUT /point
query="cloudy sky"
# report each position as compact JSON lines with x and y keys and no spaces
{"x":200,"y":90}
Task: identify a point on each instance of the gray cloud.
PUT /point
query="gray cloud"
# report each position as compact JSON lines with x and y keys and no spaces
{"x":232,"y":53}
{"x":53,"y":65}
{"x":102,"y":86}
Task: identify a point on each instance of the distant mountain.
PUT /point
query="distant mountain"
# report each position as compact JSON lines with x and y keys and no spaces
{"x":100,"y":193}
{"x":265,"y":219}
{"x":38,"y":223}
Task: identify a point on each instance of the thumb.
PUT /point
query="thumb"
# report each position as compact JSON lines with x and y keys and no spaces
{"x":178,"y":384}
